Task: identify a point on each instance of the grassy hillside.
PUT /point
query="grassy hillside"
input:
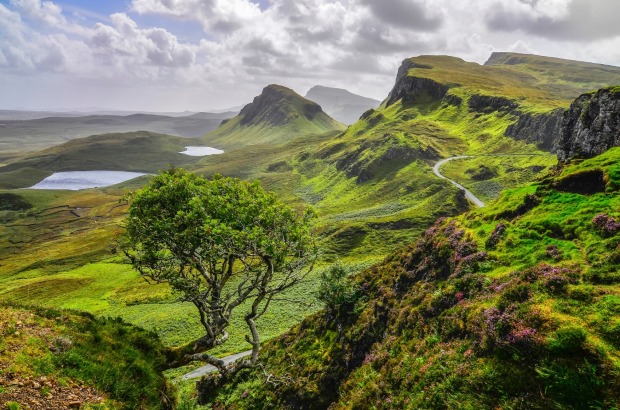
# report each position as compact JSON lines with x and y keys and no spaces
{"x":63,"y":359}
{"x":276,"y":116}
{"x":372,"y":186}
{"x":38,"y":134}
{"x":512,"y":306}
{"x":136,"y":151}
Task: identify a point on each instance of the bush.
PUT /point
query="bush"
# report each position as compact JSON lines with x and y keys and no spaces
{"x":337,"y":292}
{"x":606,"y":225}
{"x":567,"y":340}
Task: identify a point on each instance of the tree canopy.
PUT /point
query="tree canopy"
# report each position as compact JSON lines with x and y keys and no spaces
{"x":223,"y":244}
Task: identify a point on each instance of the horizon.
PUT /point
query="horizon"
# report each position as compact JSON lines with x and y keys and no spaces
{"x":147,"y":56}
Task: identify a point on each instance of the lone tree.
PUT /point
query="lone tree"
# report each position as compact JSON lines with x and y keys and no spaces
{"x":225,"y":245}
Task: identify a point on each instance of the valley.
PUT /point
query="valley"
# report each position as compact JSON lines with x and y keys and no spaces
{"x":454,"y":155}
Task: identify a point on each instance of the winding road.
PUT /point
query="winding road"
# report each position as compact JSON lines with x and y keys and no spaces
{"x":468,"y":193}
{"x":201,"y":371}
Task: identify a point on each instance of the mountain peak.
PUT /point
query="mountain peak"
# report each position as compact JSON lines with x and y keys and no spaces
{"x":341,"y":104}
{"x":277,"y":105}
{"x":277,"y":114}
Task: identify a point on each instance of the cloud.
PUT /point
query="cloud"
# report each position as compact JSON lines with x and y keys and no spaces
{"x":564,"y":20}
{"x":125,"y":45}
{"x":238,"y":46}
{"x":408,"y":14}
{"x":219,"y":16}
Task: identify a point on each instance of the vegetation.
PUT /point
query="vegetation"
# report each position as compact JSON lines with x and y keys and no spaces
{"x":373,"y":191}
{"x":225,"y":245}
{"x":66,"y":358}
{"x":450,"y":322}
{"x":275,"y":117}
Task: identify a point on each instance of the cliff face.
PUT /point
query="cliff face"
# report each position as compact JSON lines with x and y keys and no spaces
{"x":276,"y":106}
{"x":591,"y":126}
{"x":408,"y":87}
{"x":542,"y":129}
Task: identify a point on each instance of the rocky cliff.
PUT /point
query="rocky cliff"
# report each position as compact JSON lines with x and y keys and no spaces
{"x":408,"y":88}
{"x":591,"y":125}
{"x":541,"y":129}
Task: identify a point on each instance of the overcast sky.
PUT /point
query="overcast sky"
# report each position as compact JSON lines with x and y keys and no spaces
{"x":176,"y":55}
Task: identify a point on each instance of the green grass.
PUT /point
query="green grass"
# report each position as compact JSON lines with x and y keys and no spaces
{"x":459,"y":321}
{"x":487,"y":176}
{"x":118,"y":360}
{"x":372,"y":186}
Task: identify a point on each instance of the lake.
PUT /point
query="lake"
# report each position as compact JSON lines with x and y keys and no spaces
{"x":74,"y":180}
{"x":201,"y":151}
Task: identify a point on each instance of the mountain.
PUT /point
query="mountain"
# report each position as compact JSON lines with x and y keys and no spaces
{"x":515,"y":305}
{"x":277,"y":115}
{"x":341,"y":104}
{"x":36,"y":134}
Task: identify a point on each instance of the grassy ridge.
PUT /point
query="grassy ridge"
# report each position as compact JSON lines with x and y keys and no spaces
{"x":515,"y":305}
{"x":59,"y":357}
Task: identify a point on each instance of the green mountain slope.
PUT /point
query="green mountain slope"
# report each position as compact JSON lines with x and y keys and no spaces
{"x":511,"y":306}
{"x":140,"y":151}
{"x":276,"y":116}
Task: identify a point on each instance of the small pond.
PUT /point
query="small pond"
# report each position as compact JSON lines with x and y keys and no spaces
{"x":201,"y":151}
{"x":74,"y":180}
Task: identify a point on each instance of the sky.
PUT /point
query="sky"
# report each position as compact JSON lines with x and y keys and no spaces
{"x":200,"y":55}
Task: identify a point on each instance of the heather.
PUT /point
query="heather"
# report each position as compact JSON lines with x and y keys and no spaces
{"x":512,"y":306}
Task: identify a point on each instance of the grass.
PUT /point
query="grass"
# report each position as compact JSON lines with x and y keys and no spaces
{"x":459,"y":321}
{"x":372,"y":186}
{"x":111,"y":359}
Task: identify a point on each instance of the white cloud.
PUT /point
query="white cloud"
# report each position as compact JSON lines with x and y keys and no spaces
{"x":239,"y":48}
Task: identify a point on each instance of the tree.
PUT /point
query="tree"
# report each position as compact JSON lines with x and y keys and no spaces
{"x":224,"y":244}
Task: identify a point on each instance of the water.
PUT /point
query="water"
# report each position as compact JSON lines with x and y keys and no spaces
{"x":74,"y":180}
{"x":201,"y":151}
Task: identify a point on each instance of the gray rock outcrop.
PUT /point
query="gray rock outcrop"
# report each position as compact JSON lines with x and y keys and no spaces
{"x":541,"y":130}
{"x":591,"y":125}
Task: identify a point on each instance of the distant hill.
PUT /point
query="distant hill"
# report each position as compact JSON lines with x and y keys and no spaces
{"x":140,"y":151}
{"x":37,"y":134}
{"x":341,"y":104}
{"x":278,"y":115}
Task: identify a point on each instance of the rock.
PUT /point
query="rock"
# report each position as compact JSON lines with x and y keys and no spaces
{"x":408,"y":88}
{"x":541,"y":129}
{"x":487,"y":104}
{"x":36,"y":385}
{"x":591,"y":125}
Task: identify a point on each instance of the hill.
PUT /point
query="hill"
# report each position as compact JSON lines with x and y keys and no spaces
{"x":341,"y":104}
{"x":276,"y":116}
{"x":135,"y":151}
{"x":514,"y":306}
{"x":37,"y":134}
{"x":54,"y":359}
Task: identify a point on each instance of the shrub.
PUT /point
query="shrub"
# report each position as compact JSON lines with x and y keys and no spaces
{"x":495,"y":237}
{"x":567,"y":340}
{"x":606,"y":225}
{"x":338,"y":294}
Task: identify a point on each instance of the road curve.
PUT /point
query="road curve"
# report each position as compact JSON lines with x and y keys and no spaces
{"x":468,"y":193}
{"x":201,"y":371}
